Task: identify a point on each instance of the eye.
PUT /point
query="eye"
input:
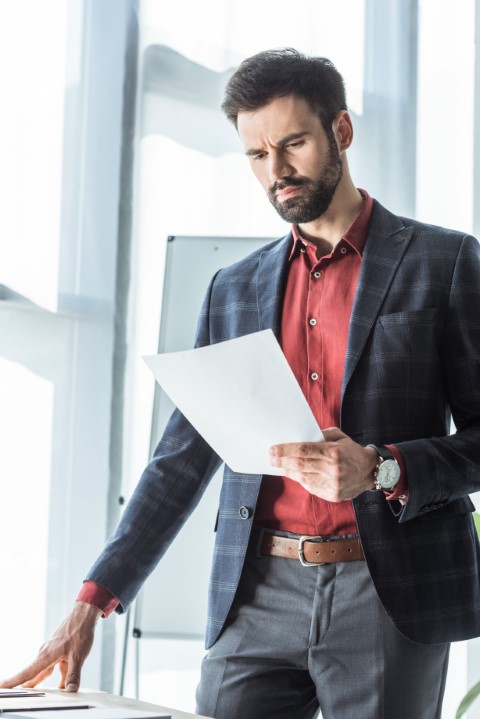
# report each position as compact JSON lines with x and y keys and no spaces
{"x":296,"y":143}
{"x":259,"y":156}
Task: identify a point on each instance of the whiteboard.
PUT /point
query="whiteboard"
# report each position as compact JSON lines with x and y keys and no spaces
{"x":173,"y":601}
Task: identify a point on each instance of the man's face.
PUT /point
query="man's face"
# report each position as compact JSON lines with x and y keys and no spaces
{"x":297,"y":163}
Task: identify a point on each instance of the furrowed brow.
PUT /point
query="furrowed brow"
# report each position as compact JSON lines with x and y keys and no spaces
{"x":253,"y":152}
{"x":283,"y":141}
{"x":293,"y":136}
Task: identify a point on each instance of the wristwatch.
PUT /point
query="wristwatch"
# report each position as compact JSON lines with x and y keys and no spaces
{"x":387,"y":472}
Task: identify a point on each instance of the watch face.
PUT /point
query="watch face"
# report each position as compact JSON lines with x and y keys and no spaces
{"x":388,"y":474}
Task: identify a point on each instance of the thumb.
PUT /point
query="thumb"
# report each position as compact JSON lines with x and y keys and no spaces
{"x":333,"y":434}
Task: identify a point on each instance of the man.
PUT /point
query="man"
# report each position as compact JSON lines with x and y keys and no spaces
{"x":339,"y":585}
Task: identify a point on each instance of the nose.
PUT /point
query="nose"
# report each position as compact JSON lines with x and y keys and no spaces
{"x":279,"y":167}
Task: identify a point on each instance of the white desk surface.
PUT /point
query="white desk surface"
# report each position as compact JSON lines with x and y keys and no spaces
{"x":114,"y":700}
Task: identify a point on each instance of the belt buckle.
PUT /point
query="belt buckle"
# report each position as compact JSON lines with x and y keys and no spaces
{"x":301,"y":553}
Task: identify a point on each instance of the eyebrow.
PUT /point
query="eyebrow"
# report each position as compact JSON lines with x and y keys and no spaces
{"x":284,"y":141}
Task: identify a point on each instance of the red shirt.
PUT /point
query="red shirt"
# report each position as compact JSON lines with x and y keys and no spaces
{"x":318,"y":302}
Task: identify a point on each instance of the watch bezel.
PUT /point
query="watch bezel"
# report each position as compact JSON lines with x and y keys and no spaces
{"x":386,"y":459}
{"x":391,"y":469}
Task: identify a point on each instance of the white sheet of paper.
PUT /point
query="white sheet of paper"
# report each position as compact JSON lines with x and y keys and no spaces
{"x":241,"y":396}
{"x":95,"y":711}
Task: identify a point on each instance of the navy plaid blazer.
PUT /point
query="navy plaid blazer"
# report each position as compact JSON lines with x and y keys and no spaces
{"x":412,"y":364}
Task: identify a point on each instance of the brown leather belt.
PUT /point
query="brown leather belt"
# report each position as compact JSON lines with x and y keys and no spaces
{"x":311,"y":550}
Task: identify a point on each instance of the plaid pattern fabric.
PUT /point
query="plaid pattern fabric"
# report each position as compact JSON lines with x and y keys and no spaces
{"x":412,"y":364}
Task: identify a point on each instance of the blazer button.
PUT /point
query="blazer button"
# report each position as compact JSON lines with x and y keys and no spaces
{"x":244,"y":512}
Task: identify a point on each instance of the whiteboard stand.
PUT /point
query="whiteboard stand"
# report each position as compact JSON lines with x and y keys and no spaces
{"x":123,"y":667}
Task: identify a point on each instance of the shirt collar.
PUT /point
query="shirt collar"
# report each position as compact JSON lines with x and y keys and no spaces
{"x":355,"y":236}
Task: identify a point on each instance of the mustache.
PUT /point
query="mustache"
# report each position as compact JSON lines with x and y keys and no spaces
{"x":283,"y":184}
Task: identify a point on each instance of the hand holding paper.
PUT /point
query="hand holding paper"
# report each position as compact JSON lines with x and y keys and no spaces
{"x":336,"y":469}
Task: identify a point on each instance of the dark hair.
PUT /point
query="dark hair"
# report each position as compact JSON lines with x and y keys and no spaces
{"x":277,"y":73}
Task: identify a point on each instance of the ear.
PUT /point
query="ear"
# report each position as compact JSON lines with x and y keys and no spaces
{"x":343,"y":130}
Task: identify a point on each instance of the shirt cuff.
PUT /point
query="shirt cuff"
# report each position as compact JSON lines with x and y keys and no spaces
{"x":400,"y":492}
{"x":99,"y":597}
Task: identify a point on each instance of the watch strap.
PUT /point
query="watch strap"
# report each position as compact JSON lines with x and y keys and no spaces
{"x":383,"y":452}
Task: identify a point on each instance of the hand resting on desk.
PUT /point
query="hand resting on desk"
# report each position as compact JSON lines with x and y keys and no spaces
{"x":68,"y":647}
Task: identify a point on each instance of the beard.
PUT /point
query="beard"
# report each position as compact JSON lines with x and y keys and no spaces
{"x":317,"y":195}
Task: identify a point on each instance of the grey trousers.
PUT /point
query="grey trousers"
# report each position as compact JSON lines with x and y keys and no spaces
{"x":302,"y":638}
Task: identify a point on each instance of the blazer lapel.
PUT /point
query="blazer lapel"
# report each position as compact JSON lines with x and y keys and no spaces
{"x":271,"y":278}
{"x":386,"y":243}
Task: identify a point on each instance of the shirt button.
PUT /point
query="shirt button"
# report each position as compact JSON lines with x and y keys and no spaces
{"x":313,"y":322}
{"x":343,"y":250}
{"x":314,"y":376}
{"x":244,"y":512}
{"x":317,"y":275}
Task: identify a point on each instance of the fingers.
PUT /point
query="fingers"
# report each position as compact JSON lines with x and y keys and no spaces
{"x":39,"y":678}
{"x":305,"y":452}
{"x":306,"y":455}
{"x":63,"y":666}
{"x":72,"y":678}
{"x":32,"y":674}
{"x":297,"y":468}
{"x":29,"y":677}
{"x":324,"y":469}
{"x":68,"y":647}
{"x":69,"y":675}
{"x":321,"y":485}
{"x":309,"y":449}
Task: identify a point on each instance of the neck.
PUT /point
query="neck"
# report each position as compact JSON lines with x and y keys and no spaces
{"x":329,"y":228}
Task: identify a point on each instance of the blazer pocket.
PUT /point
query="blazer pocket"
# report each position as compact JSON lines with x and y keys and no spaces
{"x":407,"y":336}
{"x":405,"y":361}
{"x":426,"y":316}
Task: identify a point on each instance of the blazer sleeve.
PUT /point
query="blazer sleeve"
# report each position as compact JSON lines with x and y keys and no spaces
{"x":443,"y":469}
{"x":168,"y":491}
